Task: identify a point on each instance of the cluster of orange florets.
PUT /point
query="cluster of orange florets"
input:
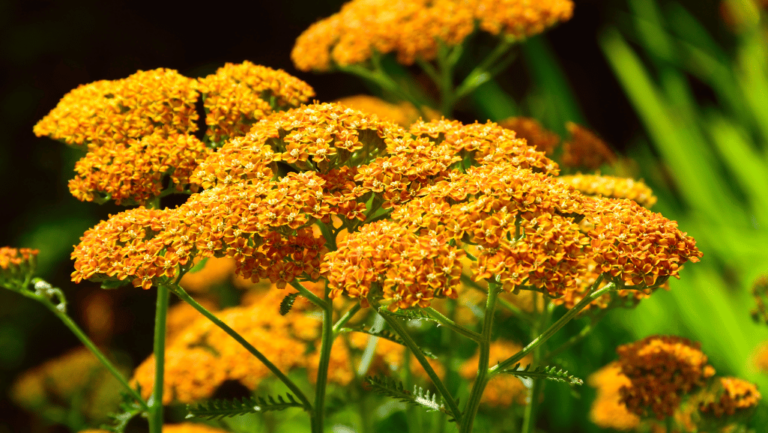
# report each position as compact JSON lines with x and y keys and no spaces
{"x":662,"y":370}
{"x":16,"y":264}
{"x":504,"y":390}
{"x":532,"y":131}
{"x":238,"y":95}
{"x":585,"y":149}
{"x":612,"y":187}
{"x":608,"y":411}
{"x":734,"y":395}
{"x":137,"y":130}
{"x":415,"y":29}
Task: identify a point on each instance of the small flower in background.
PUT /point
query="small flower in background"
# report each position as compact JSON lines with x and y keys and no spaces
{"x":75,"y":381}
{"x":585,"y":149}
{"x":411,"y":29}
{"x":532,"y":131}
{"x":17,"y":266}
{"x":608,"y":410}
{"x":730,"y":396}
{"x":612,"y":187}
{"x":176,"y":428}
{"x":760,"y":294}
{"x":504,"y":390}
{"x":402,"y":113}
{"x":760,"y":358}
{"x":662,"y":371}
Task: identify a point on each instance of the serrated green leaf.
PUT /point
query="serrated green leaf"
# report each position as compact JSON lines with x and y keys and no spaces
{"x":418,"y":397}
{"x":129,"y":409}
{"x":287,"y":303}
{"x":388,"y":335}
{"x":218,"y":409}
{"x":547,"y":372}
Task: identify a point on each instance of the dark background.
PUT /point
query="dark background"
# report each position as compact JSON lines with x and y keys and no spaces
{"x":49,"y":48}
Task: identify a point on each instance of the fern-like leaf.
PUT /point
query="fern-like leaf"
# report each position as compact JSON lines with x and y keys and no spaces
{"x":408,"y":314}
{"x":548,"y":372}
{"x":129,"y":409}
{"x":387,"y":335}
{"x":418,"y":397}
{"x":218,"y":409}
{"x":287,"y":303}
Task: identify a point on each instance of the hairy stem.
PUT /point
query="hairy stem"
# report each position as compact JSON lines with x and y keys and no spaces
{"x":181,"y":293}
{"x":411,"y":344}
{"x":156,"y":400}
{"x":481,"y":381}
{"x":546,"y":335}
{"x":326,"y":343}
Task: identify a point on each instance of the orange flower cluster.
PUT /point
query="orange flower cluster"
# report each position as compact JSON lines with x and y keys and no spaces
{"x":202,"y":357}
{"x":16,"y":265}
{"x":585,"y":149}
{"x":504,"y":390}
{"x":177,"y":428}
{"x":608,"y":411}
{"x":238,"y":95}
{"x":415,"y":29}
{"x":734,"y":395}
{"x":412,"y":29}
{"x":133,"y":171}
{"x":532,"y":131}
{"x":612,"y":187}
{"x":520,"y":18}
{"x":662,"y":370}
{"x":760,"y":294}
{"x":148,"y":102}
{"x":411,"y":269}
{"x":760,"y":358}
{"x":403,"y":113}
{"x":635,"y":245}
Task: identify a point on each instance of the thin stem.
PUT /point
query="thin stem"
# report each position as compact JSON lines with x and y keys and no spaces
{"x":546,"y":335}
{"x":69,"y":323}
{"x":408,"y":340}
{"x":585,"y":331}
{"x":467,"y":281}
{"x":156,"y":400}
{"x":179,"y":291}
{"x":309,"y":295}
{"x":378,"y":76}
{"x":481,"y":73}
{"x":326,"y":344}
{"x":345,"y":318}
{"x":446,"y":81}
{"x":370,"y":348}
{"x":481,"y":381}
{"x":529,"y":421}
{"x":448,"y":323}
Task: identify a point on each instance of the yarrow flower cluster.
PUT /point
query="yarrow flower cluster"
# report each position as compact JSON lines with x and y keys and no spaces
{"x":612,"y":187}
{"x":532,"y":131}
{"x":733,"y":395}
{"x":585,"y":149}
{"x":403,"y":113}
{"x":415,"y":29}
{"x":608,"y":410}
{"x":662,"y":370}
{"x":16,"y":265}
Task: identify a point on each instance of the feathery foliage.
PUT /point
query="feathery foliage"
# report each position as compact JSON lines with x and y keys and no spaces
{"x":418,"y":397}
{"x":547,"y":372}
{"x":218,"y":409}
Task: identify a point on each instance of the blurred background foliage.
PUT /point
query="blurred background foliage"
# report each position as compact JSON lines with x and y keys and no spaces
{"x":678,"y":87}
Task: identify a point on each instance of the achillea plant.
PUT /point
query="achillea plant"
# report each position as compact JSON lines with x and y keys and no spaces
{"x":370,"y":227}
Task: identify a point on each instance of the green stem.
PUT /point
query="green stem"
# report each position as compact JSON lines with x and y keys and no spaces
{"x":156,"y":401}
{"x":411,"y":344}
{"x":481,"y":381}
{"x":378,"y":76}
{"x":345,"y":318}
{"x":585,"y":331}
{"x":546,"y":335}
{"x":309,"y":295}
{"x":467,"y":281}
{"x":480,"y":74}
{"x":447,"y":97}
{"x":69,"y":323}
{"x":450,"y":324}
{"x":529,"y":420}
{"x":326,"y":344}
{"x":179,"y":291}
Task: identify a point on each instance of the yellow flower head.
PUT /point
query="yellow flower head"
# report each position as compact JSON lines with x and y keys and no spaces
{"x":159,"y":101}
{"x":612,"y":187}
{"x":415,"y":29}
{"x":238,"y":95}
{"x":410,"y":269}
{"x":504,"y":390}
{"x":410,"y":28}
{"x":608,"y":411}
{"x":403,"y":113}
{"x":585,"y":149}
{"x":133,"y":171}
{"x":729,"y":396}
{"x":16,"y":265}
{"x":662,"y":370}
{"x":532,"y":131}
